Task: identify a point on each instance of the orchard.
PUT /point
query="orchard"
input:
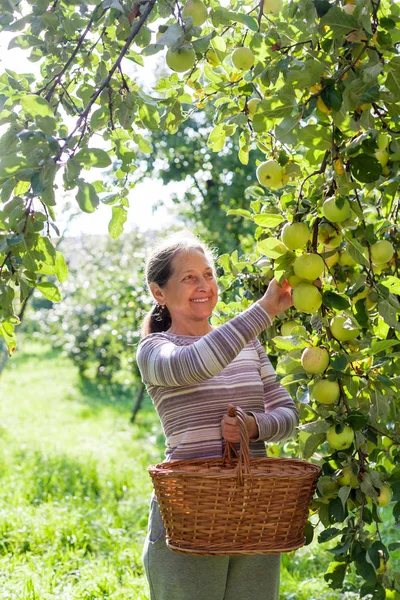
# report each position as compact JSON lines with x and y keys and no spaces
{"x":315,"y":87}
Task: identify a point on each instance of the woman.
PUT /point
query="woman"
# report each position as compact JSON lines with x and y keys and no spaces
{"x":192,"y":372}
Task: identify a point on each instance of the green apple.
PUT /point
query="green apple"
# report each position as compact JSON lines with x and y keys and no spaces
{"x":385,"y":495}
{"x":197,"y":10}
{"x":340,"y":437}
{"x":346,"y":260}
{"x":306,"y":297}
{"x":295,"y":235}
{"x":383,"y":566}
{"x":328,"y":488}
{"x":333,"y":213}
{"x":252,"y":106}
{"x":315,"y":360}
{"x":243,"y":58}
{"x":270,"y":174}
{"x":272,"y":7}
{"x":381,"y":252}
{"x":347,"y":477}
{"x":308,"y":266}
{"x":325,"y":391}
{"x":294,"y":281}
{"x":343,"y":329}
{"x":288,"y":326}
{"x":331,"y":261}
{"x":328,"y":236}
{"x":273,"y":450}
{"x":181,"y":60}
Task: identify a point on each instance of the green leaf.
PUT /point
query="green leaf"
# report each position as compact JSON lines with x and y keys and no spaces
{"x":339,"y":22}
{"x":365,"y":168}
{"x":389,"y":314}
{"x":271,"y":247}
{"x":268,"y":220}
{"x":356,"y":251}
{"x":116,"y":225}
{"x":335,"y":301}
{"x":87,"y":197}
{"x":50,"y":291}
{"x":92,"y":157}
{"x":313,"y":443}
{"x":149,"y":116}
{"x":36,"y":106}
{"x":246,"y":20}
{"x":241,"y":212}
{"x":392,"y":283}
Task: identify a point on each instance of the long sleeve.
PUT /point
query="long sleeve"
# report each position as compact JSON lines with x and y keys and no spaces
{"x":281,"y":417}
{"x":163,"y":363}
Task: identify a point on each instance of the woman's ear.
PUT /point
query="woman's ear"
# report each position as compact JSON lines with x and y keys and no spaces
{"x":157,"y":293}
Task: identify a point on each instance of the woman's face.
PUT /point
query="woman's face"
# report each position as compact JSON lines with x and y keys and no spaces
{"x":191,"y":292}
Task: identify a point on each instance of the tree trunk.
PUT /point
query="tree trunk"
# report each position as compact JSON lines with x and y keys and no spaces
{"x":138,"y":402}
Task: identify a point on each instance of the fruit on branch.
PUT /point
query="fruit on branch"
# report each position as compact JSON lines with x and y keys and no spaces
{"x":315,"y":360}
{"x":347,"y":477}
{"x":197,"y":10}
{"x":325,"y":391}
{"x":329,"y":236}
{"x":181,"y":60}
{"x":306,"y":297}
{"x":327,"y":488}
{"x":384,"y":565}
{"x":308,"y":266}
{"x":343,"y":329}
{"x":288,"y":326}
{"x":295,"y":235}
{"x":272,"y":7}
{"x":346,"y":260}
{"x":333,"y":213}
{"x":385,"y":495}
{"x":243,"y":58}
{"x":331,"y":261}
{"x":270,"y":174}
{"x":339,"y":167}
{"x":212,"y":57}
{"x":381,"y":252}
{"x":252,"y":106}
{"x":340,"y":437}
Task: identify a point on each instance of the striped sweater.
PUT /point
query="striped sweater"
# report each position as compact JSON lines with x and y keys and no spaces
{"x":192,"y":379}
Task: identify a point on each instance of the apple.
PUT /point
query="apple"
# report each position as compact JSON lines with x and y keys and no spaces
{"x":333,"y":213}
{"x":315,"y":360}
{"x":346,"y":260}
{"x":381,"y":252}
{"x":385,"y":495}
{"x":328,"y":236}
{"x":288,"y":326}
{"x":343,"y":328}
{"x":308,"y":266}
{"x":323,"y":107}
{"x":384,"y":565}
{"x":270,"y":174}
{"x":252,"y":106}
{"x":272,"y":7}
{"x":328,"y":488}
{"x":331,"y":261}
{"x":243,"y":58}
{"x":295,"y":235}
{"x":349,"y":9}
{"x":181,"y":60}
{"x":306,"y":297}
{"x":325,"y":391}
{"x":347,"y":477}
{"x":212,"y":57}
{"x":197,"y":10}
{"x":294,"y":281}
{"x":273,"y":450}
{"x":340,"y":437}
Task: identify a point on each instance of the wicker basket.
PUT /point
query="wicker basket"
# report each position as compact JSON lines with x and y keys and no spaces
{"x":235,"y":504}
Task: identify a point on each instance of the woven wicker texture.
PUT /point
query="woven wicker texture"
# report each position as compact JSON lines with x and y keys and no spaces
{"x":235,"y":505}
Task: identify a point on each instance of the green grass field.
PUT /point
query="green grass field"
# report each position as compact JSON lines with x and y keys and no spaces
{"x":75,"y":490}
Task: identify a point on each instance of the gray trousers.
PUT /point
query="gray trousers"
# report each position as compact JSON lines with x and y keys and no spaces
{"x":175,"y":576}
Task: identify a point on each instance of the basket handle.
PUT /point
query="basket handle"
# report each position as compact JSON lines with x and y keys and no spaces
{"x":243,"y":467}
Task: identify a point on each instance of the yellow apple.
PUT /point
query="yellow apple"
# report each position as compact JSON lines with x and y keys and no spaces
{"x":347,"y":477}
{"x":243,"y":58}
{"x":181,"y":60}
{"x":270,"y":174}
{"x":325,"y":391}
{"x":346,"y":260}
{"x":307,"y":298}
{"x":197,"y":10}
{"x":308,"y":266}
{"x":385,"y":495}
{"x":252,"y":106}
{"x":381,"y":252}
{"x":340,"y":437}
{"x":315,"y":360}
{"x":294,"y":281}
{"x":288,"y":326}
{"x":272,"y":7}
{"x":295,"y":235}
{"x":328,"y":236}
{"x":343,"y":328}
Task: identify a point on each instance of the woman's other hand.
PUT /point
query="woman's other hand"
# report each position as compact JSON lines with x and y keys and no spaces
{"x":231,"y":428}
{"x":277,"y":298}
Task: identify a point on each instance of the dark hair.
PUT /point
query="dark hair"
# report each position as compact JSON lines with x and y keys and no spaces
{"x":159,"y":269}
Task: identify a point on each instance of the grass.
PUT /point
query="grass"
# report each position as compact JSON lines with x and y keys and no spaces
{"x":74,"y":490}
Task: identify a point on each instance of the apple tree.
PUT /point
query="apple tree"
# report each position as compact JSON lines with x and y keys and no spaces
{"x":314,"y":86}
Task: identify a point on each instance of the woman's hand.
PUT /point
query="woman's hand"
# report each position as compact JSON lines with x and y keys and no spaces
{"x":231,"y":428}
{"x":277,"y":298}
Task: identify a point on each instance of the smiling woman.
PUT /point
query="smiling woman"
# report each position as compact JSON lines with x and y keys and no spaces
{"x":192,"y":372}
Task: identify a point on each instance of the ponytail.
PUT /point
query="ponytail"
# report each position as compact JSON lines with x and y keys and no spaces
{"x":157,"y":319}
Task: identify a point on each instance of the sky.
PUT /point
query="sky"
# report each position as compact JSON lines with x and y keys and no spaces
{"x":142,"y":198}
